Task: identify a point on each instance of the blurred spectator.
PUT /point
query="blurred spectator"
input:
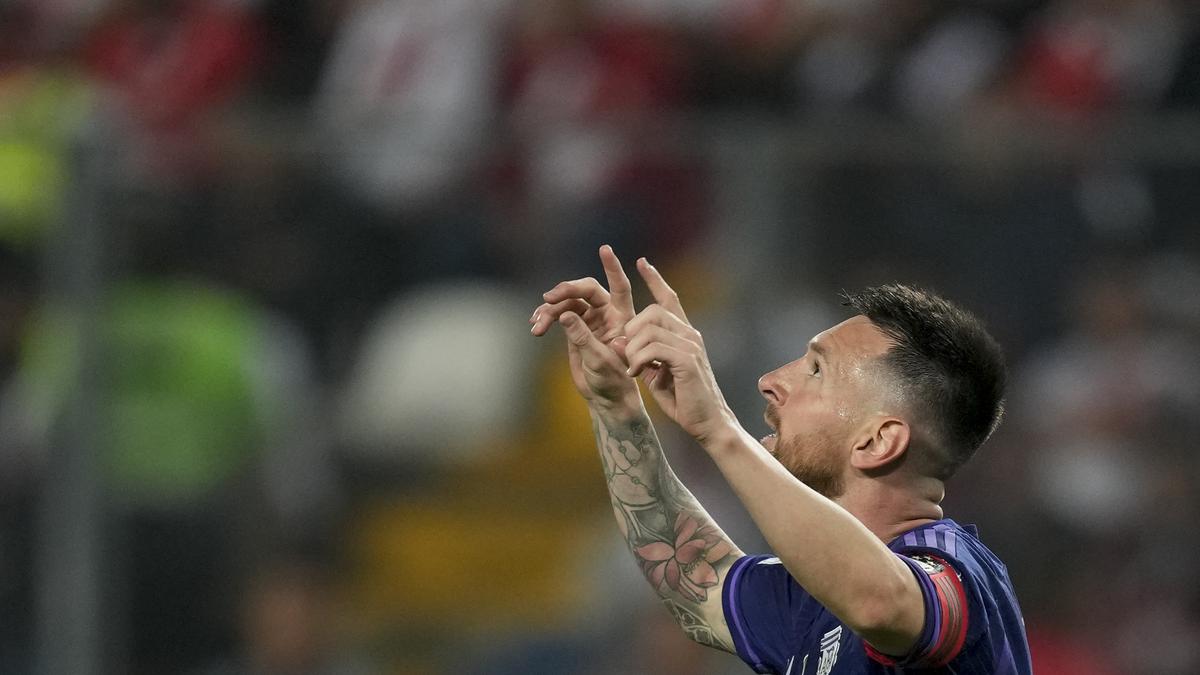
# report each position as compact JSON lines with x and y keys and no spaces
{"x":42,"y":107}
{"x":1106,"y":407}
{"x":203,"y":394}
{"x":594,"y":157}
{"x":1099,"y":396}
{"x":168,"y":65}
{"x":952,"y":64}
{"x":1087,"y":55}
{"x":406,"y":99}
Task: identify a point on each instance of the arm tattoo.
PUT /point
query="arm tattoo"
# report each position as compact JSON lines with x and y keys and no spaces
{"x":682,"y":552}
{"x":694,"y":626}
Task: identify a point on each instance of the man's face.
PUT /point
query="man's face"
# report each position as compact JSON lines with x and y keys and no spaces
{"x":815,"y":403}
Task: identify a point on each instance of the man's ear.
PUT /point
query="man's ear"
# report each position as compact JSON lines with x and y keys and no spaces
{"x":881,"y":444}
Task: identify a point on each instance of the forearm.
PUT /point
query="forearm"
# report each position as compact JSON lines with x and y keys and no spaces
{"x":829,"y":552}
{"x":680,"y":549}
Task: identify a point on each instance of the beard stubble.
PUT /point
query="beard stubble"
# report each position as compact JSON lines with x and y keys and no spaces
{"x":814,"y":460}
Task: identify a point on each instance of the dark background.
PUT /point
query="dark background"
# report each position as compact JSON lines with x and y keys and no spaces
{"x":268,"y":402}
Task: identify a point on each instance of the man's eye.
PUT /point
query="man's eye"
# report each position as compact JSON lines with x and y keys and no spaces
{"x":816,"y":369}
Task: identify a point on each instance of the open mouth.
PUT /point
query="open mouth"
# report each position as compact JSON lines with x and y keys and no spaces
{"x":771,"y":417}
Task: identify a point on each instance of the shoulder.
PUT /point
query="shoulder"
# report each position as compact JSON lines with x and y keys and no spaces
{"x":954,"y":559}
{"x":954,"y":544}
{"x":943,"y":535}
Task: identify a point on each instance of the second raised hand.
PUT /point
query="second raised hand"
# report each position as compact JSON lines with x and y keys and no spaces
{"x":669,"y":354}
{"x":605,"y":311}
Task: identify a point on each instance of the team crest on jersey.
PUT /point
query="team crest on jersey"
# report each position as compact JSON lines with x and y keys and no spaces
{"x":830,"y":643}
{"x":930,"y":564}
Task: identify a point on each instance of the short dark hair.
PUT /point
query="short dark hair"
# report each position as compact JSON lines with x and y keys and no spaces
{"x":948,"y":366}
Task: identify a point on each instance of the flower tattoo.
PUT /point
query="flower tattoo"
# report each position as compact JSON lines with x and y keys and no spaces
{"x":685,"y":567}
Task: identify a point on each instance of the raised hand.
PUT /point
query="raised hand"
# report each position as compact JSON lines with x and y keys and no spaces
{"x":604,"y":311}
{"x":682,"y":552}
{"x":669,"y":354}
{"x":597,"y":371}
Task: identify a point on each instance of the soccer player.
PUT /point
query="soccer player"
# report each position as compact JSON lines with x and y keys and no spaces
{"x":867,"y":576}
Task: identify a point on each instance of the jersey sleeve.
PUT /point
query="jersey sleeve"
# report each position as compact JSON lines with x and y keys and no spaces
{"x":767,"y":612}
{"x":948,"y":619}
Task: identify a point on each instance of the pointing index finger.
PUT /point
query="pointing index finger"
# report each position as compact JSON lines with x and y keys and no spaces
{"x":618,"y":283}
{"x":663,"y":294}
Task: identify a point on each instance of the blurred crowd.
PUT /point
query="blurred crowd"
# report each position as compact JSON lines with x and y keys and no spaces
{"x":322,"y":439}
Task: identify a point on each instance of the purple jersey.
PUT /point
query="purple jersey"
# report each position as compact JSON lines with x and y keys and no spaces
{"x":777,"y":627}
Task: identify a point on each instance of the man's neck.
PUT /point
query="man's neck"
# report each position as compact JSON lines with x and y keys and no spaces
{"x":890,"y":510}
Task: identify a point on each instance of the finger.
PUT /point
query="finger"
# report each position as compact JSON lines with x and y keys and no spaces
{"x":547,"y":314}
{"x":635,"y":369}
{"x":619,"y":288}
{"x":594,"y":355}
{"x":586,"y":289}
{"x":657,"y":334}
{"x":662,"y":292}
{"x":668,"y":356}
{"x":620,"y":347}
{"x":657,"y":376}
{"x":657,"y":315}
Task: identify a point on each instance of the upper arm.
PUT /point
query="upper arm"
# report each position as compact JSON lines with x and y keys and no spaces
{"x":939,"y":598}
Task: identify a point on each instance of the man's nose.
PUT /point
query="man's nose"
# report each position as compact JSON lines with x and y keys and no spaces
{"x":771,"y":387}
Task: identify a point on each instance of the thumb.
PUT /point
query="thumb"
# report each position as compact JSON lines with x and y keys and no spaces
{"x":580,"y":340}
{"x":578,"y":334}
